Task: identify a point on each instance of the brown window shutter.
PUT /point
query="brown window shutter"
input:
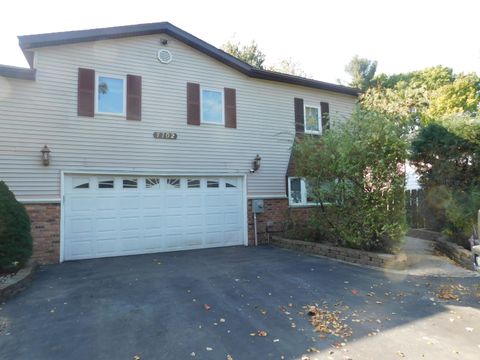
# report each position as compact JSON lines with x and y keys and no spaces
{"x":325,"y":109}
{"x":193,"y":104}
{"x":230,"y":108}
{"x":299,"y":116}
{"x":86,"y":92}
{"x":134,"y":97}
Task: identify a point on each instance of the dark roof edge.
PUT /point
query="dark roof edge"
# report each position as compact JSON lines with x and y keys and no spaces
{"x":68,"y":37}
{"x":17,"y":72}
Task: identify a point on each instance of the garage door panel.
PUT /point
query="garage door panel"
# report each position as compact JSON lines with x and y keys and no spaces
{"x":81,"y":203}
{"x":160,"y":214}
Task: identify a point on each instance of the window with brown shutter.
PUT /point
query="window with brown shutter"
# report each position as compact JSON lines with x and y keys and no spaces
{"x":134,"y":97}
{"x":86,"y":92}
{"x":193,"y":104}
{"x":299,"y":116}
{"x":230,"y":108}
{"x":325,"y":109}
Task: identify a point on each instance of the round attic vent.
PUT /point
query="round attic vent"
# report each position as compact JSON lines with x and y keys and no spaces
{"x":164,"y":56}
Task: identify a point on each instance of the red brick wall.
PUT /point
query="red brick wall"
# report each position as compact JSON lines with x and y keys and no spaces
{"x":273,"y":220}
{"x":45,"y":219}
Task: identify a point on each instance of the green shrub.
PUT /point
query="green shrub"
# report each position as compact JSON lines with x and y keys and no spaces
{"x":15,"y":237}
{"x":447,"y":157}
{"x":355,"y":172}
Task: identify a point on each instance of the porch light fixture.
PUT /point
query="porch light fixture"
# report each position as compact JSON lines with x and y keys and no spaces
{"x":45,"y":155}
{"x":256,"y":163}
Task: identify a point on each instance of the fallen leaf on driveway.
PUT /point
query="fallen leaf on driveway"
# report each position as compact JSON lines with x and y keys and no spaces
{"x":253,"y":334}
{"x":354,"y":291}
{"x":206,"y":307}
{"x":400,"y":354}
{"x":208,"y":348}
{"x":229,"y":357}
{"x":136,"y":357}
{"x":262,"y":333}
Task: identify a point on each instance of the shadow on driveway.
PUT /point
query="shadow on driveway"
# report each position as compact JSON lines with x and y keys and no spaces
{"x":152,"y":306}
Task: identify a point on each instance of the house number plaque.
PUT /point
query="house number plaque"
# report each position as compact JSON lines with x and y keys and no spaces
{"x":165,"y":135}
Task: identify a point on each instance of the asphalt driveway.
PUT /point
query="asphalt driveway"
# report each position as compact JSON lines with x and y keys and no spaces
{"x":154,"y":307}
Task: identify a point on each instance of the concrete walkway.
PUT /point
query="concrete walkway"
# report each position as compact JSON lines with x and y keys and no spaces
{"x":423,"y":260}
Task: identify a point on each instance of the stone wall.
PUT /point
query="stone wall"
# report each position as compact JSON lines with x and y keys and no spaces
{"x":339,"y":253}
{"x":45,"y":219}
{"x":460,"y":255}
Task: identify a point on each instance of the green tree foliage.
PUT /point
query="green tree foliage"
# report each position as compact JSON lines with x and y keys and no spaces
{"x":447,"y":156}
{"x":15,"y":237}
{"x":355,"y":172}
{"x":423,"y":96}
{"x":250,"y":53}
{"x":362,"y":72}
{"x":288,"y":66}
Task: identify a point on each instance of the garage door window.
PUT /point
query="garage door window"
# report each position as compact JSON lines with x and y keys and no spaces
{"x":173,"y":183}
{"x":193,"y":183}
{"x":231,"y":183}
{"x":130,"y":183}
{"x":80,"y":183}
{"x":212,"y":183}
{"x":152,"y":183}
{"x":105,"y":183}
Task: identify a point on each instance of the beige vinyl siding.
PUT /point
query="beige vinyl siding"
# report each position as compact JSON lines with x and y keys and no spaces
{"x":35,"y":113}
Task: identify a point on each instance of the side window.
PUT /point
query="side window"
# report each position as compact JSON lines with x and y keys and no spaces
{"x":299,"y":192}
{"x":110,"y":95}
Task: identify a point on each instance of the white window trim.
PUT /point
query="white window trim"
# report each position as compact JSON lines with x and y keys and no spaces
{"x":303,"y":191}
{"x":319,"y":132}
{"x":202,"y":121}
{"x":124,"y":78}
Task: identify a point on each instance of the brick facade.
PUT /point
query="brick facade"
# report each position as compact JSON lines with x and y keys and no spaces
{"x":274,"y":219}
{"x":45,"y":219}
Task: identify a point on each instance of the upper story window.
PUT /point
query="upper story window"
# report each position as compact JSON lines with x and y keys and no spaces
{"x":110,"y":94}
{"x":212,"y":108}
{"x":312,"y":119}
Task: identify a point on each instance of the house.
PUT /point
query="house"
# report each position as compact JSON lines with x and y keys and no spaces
{"x":144,"y":138}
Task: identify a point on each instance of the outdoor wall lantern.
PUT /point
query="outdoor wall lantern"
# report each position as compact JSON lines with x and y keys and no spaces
{"x":45,"y":155}
{"x":256,"y":163}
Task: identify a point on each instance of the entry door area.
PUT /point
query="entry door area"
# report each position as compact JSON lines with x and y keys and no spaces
{"x":125,"y":215}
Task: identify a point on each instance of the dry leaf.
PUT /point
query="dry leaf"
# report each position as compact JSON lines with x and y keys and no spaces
{"x":262,"y":333}
{"x":206,"y":307}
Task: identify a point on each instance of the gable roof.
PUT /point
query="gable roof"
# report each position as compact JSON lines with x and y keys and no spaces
{"x":70,"y":37}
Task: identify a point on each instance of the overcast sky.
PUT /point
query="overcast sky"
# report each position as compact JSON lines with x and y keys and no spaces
{"x":321,"y":36}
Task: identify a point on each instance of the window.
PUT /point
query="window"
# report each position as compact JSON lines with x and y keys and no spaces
{"x":312,"y":120}
{"x":193,"y":183}
{"x":80,"y":183}
{"x":110,"y":95}
{"x":231,"y":183}
{"x":105,"y":184}
{"x":130,"y":183}
{"x":173,"y":183}
{"x":212,"y":106}
{"x":212,"y":183}
{"x":152,"y":183}
{"x":298,"y":192}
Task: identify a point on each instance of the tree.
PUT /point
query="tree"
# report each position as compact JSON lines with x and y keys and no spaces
{"x":288,"y":66}
{"x":424,"y":96}
{"x":356,"y":174}
{"x":362,"y":71}
{"x":446,"y":154}
{"x":250,"y":53}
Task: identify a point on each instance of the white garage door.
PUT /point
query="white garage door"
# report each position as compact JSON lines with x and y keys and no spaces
{"x":120,"y":215}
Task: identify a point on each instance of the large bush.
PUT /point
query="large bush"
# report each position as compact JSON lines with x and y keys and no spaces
{"x":15,"y":237}
{"x":356,"y":174}
{"x":447,"y":156}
